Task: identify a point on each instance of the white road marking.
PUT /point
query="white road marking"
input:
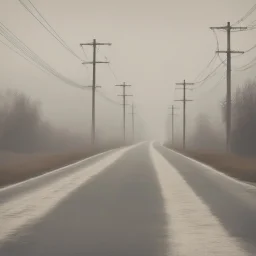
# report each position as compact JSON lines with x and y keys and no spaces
{"x":20,"y":184}
{"x":29,"y":207}
{"x":192,"y":228}
{"x":215,"y":171}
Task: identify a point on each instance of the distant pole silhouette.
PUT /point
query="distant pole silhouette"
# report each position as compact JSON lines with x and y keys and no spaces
{"x":173,"y":124}
{"x":184,"y":100}
{"x":124,"y":95}
{"x":133,"y":128}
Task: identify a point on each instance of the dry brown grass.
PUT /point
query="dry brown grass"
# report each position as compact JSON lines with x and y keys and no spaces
{"x":236,"y":166}
{"x":19,"y":167}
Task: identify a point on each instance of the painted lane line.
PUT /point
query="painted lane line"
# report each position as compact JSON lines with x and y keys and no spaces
{"x":52,"y":173}
{"x":29,"y":207}
{"x":214,"y":171}
{"x":192,"y":229}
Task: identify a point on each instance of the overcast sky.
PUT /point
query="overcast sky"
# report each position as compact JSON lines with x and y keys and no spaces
{"x":155,"y":43}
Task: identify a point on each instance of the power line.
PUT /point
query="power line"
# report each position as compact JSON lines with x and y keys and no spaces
{"x":111,"y":68}
{"x":52,"y":31}
{"x":184,"y":101}
{"x":250,"y":49}
{"x":94,"y":45}
{"x":213,"y":87}
{"x":36,"y":61}
{"x":249,"y":65}
{"x":85,"y":55}
{"x":124,"y":95}
{"x":252,"y":9}
{"x":228,"y":52}
{"x":113,"y":73}
{"x":100,"y":93}
{"x":243,"y":68}
{"x":16,"y":42}
{"x":207,"y":66}
{"x":104,"y":96}
{"x":213,"y":73}
{"x":23,"y":48}
{"x":22,"y":56}
{"x":218,"y":47}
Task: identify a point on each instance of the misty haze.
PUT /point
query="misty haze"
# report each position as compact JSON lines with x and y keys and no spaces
{"x":127,"y":128}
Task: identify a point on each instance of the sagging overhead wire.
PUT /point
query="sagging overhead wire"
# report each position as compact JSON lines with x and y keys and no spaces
{"x":111,"y":68}
{"x":213,"y":87}
{"x":213,"y":73}
{"x":113,"y":73}
{"x":207,"y":66}
{"x":101,"y":94}
{"x":40,"y":18}
{"x":249,"y":65}
{"x":104,"y":96}
{"x":252,"y":9}
{"x":22,"y":56}
{"x":245,"y":67}
{"x":218,"y":47}
{"x":32,"y":56}
{"x":250,"y":49}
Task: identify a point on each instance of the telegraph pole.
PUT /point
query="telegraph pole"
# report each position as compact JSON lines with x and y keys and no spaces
{"x":133,"y":136}
{"x":94,"y":44}
{"x":184,"y":100}
{"x":228,"y":28}
{"x":124,"y":95}
{"x":173,"y":114}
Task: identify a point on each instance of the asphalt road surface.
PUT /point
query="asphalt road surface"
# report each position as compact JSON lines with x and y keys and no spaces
{"x":143,"y":200}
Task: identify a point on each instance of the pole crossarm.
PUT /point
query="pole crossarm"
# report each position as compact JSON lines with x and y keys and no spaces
{"x":109,"y":44}
{"x":229,"y":52}
{"x":184,"y":100}
{"x":124,"y":95}
{"x":96,"y":62}
{"x":94,"y":44}
{"x":227,"y":27}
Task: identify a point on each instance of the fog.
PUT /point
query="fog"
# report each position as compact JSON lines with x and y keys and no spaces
{"x":154,"y":45}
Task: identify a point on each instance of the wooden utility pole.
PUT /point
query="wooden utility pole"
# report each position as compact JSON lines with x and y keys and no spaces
{"x":228,"y":28}
{"x":184,"y":100}
{"x":94,"y":44}
{"x":173,"y":125}
{"x":133,"y":130}
{"x":124,"y":95}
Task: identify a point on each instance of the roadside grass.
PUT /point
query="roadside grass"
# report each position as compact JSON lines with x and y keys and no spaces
{"x":19,"y":167}
{"x":242,"y":168}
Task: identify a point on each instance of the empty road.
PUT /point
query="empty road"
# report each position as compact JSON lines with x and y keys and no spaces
{"x":142,"y":200}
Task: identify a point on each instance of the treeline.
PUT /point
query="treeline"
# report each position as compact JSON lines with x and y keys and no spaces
{"x":208,"y":136}
{"x":30,"y":146}
{"x":24,"y":130}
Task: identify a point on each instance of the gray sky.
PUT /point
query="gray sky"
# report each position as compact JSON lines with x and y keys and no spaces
{"x":155,"y":44}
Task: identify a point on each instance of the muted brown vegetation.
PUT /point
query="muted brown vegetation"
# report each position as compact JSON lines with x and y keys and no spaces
{"x":208,"y":141}
{"x":242,"y":168}
{"x":30,"y":146}
{"x":18,"y":167}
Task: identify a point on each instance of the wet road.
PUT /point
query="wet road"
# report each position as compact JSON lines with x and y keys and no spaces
{"x":140,"y":200}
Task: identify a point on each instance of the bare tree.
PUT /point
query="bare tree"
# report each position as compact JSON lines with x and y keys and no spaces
{"x":206,"y":137}
{"x":244,"y":120}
